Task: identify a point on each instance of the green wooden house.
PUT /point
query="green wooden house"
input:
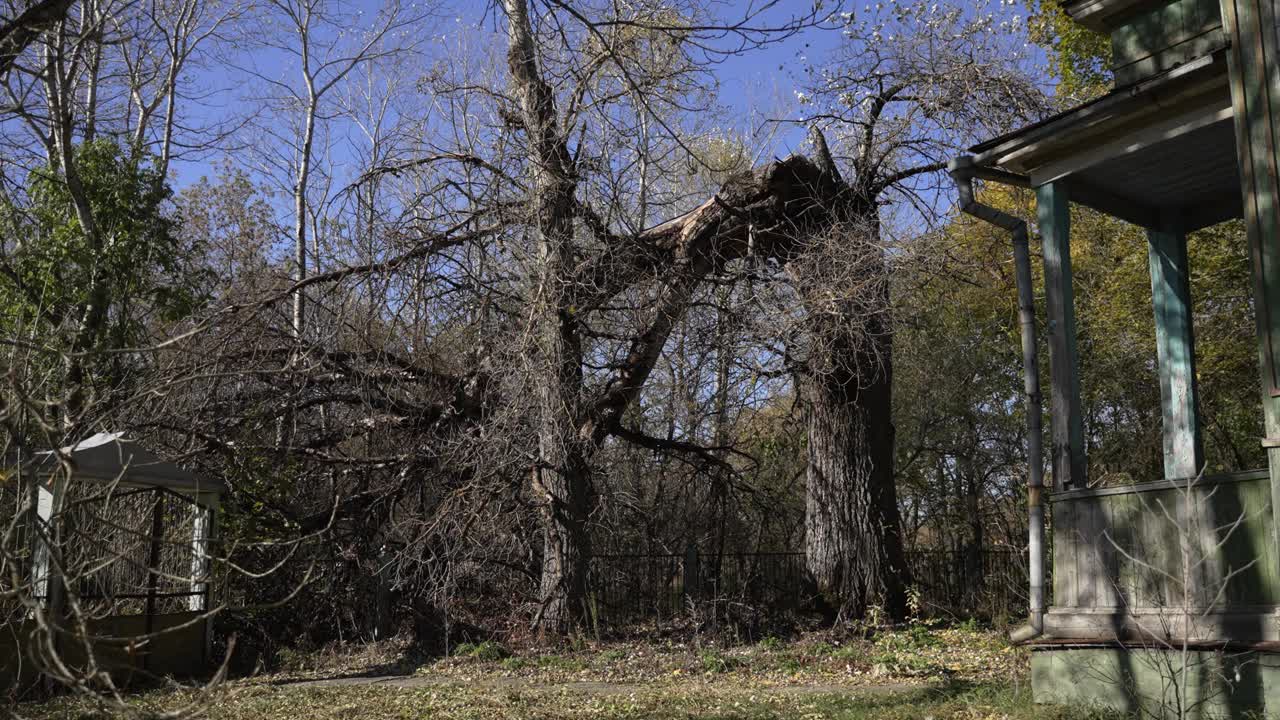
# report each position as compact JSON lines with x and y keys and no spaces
{"x":1165,"y":593}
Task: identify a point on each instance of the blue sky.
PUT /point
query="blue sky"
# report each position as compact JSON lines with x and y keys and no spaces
{"x":748,"y":82}
{"x":754,"y":85}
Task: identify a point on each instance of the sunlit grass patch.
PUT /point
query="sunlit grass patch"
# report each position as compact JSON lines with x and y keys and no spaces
{"x":914,"y":671}
{"x":670,"y":701}
{"x":919,"y":652}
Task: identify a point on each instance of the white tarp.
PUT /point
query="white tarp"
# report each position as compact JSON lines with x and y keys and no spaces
{"x":107,"y":456}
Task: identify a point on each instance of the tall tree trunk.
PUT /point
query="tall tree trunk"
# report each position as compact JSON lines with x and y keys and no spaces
{"x":92,"y":315}
{"x":90,"y":28}
{"x":564,"y":483}
{"x":562,"y":480}
{"x":721,"y":479}
{"x":974,"y":532}
{"x":853,"y":534}
{"x":301,"y":182}
{"x":853,"y":538}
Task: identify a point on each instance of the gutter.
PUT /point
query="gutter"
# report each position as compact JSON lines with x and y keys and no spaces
{"x":963,"y":170}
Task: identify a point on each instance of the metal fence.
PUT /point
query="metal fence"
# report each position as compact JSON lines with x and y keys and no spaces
{"x":990,"y":583}
{"x":637,"y":588}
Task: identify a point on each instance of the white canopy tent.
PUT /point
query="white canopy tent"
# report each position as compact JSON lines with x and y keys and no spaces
{"x":119,"y":465}
{"x":129,"y":534}
{"x":111,"y":457}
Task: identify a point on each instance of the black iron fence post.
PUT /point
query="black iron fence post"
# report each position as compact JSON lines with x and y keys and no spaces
{"x":692,"y":574}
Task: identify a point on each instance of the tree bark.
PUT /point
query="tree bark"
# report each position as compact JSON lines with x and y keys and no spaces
{"x":853,"y":534}
{"x":566,"y":496}
{"x":853,"y":538}
{"x":561,"y":479}
{"x":300,"y":187}
{"x":975,"y":535}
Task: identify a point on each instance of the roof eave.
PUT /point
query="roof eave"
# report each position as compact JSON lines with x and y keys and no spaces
{"x":1099,"y":15}
{"x":1022,"y":150}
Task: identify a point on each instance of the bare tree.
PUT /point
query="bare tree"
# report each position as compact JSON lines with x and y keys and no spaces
{"x":671,"y":259}
{"x":326,"y":43}
{"x":20,"y":30}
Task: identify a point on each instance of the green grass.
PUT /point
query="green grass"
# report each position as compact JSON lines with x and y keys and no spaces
{"x":487,"y":651}
{"x":613,"y":655}
{"x":675,"y":701}
{"x":771,"y":644}
{"x":714,"y":661}
{"x":912,"y":672}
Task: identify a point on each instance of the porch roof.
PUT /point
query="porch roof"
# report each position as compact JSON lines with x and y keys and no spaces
{"x":1153,"y":153}
{"x":1097,"y":14}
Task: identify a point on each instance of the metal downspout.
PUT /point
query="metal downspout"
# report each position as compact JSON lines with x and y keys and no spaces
{"x":963,"y":170}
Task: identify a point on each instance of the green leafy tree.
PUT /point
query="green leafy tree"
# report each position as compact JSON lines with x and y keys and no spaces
{"x":957,"y":401}
{"x":1079,"y":58}
{"x":133,"y":265}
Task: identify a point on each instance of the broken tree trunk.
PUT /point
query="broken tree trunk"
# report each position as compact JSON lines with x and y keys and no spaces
{"x":800,"y":212}
{"x":770,"y":212}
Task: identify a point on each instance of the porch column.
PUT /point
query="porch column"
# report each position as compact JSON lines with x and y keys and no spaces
{"x":1175,"y":352}
{"x":1253,"y":66}
{"x":1066,"y":420}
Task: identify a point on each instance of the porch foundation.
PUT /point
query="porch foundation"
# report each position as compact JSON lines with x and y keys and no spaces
{"x":1149,"y":681}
